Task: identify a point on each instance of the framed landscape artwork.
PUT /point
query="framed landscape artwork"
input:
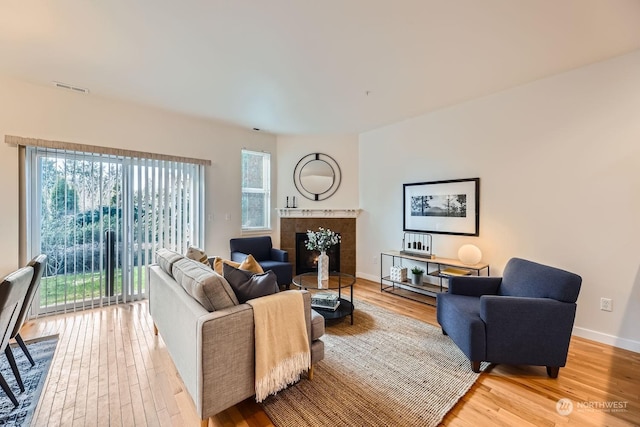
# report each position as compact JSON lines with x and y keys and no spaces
{"x":443,"y":207}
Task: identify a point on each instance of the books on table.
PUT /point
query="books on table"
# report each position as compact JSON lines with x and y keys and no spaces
{"x":325,"y":301}
{"x":454,"y":272}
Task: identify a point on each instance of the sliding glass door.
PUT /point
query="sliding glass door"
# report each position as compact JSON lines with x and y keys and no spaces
{"x":100,"y":219}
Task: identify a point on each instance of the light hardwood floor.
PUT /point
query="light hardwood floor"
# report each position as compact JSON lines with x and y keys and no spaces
{"x":109,"y":369}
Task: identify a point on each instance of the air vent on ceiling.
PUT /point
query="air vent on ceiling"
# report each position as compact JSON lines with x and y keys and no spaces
{"x":71,"y":88}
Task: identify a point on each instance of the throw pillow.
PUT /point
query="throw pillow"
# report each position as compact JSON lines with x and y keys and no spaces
{"x":197,"y":254}
{"x":166,"y":258}
{"x":248,"y":285}
{"x":249,"y":264}
{"x":207,"y":287}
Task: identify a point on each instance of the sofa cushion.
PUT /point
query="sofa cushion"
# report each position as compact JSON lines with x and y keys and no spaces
{"x":206,"y":286}
{"x":166,"y":258}
{"x":197,"y":254}
{"x":248,"y":285}
{"x":317,"y":325}
{"x":249,"y":264}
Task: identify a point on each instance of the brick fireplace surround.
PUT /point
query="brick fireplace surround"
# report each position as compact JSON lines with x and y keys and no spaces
{"x":289,"y":226}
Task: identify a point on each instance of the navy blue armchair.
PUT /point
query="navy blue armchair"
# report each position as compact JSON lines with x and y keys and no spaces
{"x":267,"y":256}
{"x":523,"y":318}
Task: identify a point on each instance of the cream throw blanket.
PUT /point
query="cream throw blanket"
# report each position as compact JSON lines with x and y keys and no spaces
{"x":282,"y":343}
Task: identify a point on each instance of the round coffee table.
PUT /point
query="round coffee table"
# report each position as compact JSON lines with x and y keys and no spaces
{"x":337,"y":281}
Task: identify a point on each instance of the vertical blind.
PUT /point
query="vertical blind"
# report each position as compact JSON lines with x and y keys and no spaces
{"x":101,"y":217}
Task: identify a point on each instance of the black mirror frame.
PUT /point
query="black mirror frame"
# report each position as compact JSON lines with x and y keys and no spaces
{"x":337,"y":176}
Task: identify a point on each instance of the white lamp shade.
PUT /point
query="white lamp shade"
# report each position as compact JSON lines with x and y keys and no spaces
{"x":469,"y":254}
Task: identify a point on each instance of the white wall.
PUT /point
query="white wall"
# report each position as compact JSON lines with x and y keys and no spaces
{"x":343,"y":149}
{"x":45,"y":112}
{"x":559,"y":162}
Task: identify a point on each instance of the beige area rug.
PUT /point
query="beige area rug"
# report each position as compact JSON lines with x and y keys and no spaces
{"x":385,"y":370}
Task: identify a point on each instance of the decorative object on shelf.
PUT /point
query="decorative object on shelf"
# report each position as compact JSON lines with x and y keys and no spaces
{"x":416,"y":275}
{"x":443,"y":207}
{"x":417,"y":244}
{"x":398,"y":274}
{"x":322,"y":240}
{"x":287,"y":203}
{"x":469,"y":254}
{"x":325,"y":300}
{"x":454,"y":272}
{"x":323,"y":270}
{"x":317,"y":176}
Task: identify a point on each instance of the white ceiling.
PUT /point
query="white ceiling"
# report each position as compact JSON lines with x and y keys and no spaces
{"x":303,"y":66}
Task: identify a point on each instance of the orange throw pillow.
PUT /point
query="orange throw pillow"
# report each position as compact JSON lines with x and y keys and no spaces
{"x":249,"y":264}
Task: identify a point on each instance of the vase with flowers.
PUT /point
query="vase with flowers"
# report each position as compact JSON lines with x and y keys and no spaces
{"x":321,"y":241}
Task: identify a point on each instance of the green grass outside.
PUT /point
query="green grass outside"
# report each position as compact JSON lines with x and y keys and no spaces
{"x":65,"y":288}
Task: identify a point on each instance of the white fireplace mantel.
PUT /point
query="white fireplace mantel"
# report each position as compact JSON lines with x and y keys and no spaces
{"x":318,"y":213}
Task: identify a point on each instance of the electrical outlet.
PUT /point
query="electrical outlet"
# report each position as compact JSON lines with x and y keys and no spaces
{"x":606,"y":304}
{"x":375,"y":260}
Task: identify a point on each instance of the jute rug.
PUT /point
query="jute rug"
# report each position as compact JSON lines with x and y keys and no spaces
{"x":385,"y":370}
{"x":33,"y":377}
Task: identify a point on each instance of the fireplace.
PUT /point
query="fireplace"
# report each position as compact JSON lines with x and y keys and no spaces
{"x":307,"y":261}
{"x":291,"y":226}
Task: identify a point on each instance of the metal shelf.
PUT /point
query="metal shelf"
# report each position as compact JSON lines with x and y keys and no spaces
{"x":440,"y":269}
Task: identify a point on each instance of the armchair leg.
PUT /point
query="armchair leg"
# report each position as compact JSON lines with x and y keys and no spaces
{"x":444,"y":332}
{"x":475,"y":366}
{"x":553,"y":371}
{"x":204,"y":423}
{"x":155,"y":329}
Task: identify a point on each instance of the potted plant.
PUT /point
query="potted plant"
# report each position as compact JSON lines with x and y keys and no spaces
{"x":416,"y":275}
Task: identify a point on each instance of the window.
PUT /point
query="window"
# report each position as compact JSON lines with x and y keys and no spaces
{"x":100,"y":218}
{"x":256,"y":190}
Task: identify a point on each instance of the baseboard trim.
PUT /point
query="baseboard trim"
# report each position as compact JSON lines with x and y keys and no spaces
{"x":603,"y":338}
{"x":371,"y":277}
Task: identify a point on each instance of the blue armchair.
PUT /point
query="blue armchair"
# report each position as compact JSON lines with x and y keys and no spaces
{"x":523,"y":318}
{"x":269,"y":258}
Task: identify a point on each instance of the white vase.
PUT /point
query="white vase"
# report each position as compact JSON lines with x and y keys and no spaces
{"x":323,"y":270}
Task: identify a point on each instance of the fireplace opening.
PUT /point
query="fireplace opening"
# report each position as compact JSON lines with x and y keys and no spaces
{"x":307,"y":261}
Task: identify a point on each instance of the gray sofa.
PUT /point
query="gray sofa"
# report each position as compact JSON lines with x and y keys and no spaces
{"x":209,"y":336}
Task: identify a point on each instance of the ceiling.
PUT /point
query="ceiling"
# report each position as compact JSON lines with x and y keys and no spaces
{"x":308,"y":67}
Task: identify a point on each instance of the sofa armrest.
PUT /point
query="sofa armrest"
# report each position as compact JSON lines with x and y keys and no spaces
{"x":474,"y":286}
{"x":279,"y":255}
{"x":225,"y":359}
{"x":238,"y":256}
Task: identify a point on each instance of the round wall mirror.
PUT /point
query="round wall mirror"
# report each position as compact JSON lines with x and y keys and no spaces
{"x":317,"y":176}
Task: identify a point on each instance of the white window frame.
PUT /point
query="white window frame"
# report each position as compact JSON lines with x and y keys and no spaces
{"x":265,"y":190}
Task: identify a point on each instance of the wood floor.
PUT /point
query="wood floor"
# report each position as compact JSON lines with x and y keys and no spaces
{"x":110,"y":370}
